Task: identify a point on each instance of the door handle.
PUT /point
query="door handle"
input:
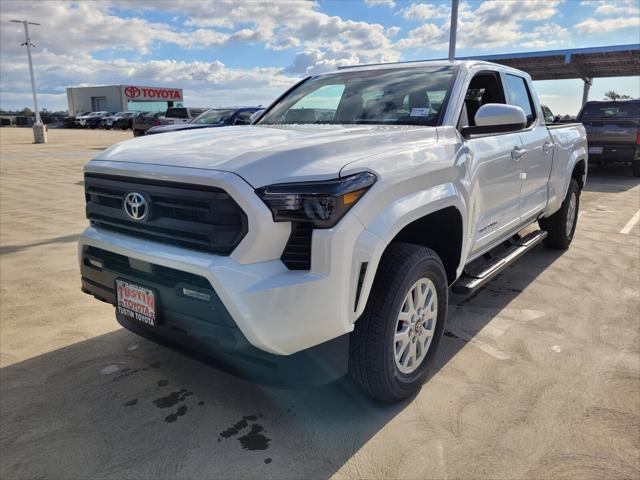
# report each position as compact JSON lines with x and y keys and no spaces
{"x":517,"y":153}
{"x":546,"y":148}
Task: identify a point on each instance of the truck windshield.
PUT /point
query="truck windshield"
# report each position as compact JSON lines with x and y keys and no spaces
{"x":398,"y":96}
{"x":213,"y":116}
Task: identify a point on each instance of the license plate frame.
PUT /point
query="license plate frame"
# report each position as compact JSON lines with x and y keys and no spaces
{"x":137,"y":302}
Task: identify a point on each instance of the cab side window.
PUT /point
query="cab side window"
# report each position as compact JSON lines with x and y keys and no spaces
{"x":520,"y":96}
{"x":485,"y":87}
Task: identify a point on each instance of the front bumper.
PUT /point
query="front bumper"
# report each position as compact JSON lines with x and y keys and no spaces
{"x":202,"y":326}
{"x":276,"y":310}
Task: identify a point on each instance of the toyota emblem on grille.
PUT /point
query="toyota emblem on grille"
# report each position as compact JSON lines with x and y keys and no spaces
{"x":136,"y":206}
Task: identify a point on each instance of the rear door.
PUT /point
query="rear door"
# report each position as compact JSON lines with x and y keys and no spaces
{"x":538,"y":149}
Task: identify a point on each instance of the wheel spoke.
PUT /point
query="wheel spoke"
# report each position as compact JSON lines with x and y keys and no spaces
{"x":419,"y":296}
{"x":410,"y":356}
{"x":428,"y":303}
{"x":407,"y":307}
{"x":402,"y":337}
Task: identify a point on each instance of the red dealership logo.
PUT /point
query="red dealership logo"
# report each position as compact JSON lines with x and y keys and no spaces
{"x":132,"y":92}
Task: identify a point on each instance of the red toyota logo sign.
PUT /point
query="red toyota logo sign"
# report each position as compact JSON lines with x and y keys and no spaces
{"x":132,"y":92}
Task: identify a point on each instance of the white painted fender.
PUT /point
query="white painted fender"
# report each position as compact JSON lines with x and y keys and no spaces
{"x":390,"y":221}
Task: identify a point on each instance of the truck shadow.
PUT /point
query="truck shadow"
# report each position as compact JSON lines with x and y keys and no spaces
{"x":119,"y":406}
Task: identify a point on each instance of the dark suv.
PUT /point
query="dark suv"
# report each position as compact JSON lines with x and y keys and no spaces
{"x":613,"y":132}
{"x":144,"y":121}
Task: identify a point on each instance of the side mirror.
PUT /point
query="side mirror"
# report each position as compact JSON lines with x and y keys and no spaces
{"x":497,"y":118}
{"x":240,"y":121}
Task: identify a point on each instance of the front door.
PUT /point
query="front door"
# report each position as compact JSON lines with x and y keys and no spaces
{"x":496,"y":167}
{"x":495,"y":197}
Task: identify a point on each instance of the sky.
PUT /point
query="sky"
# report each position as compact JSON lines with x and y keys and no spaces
{"x":234,"y":52}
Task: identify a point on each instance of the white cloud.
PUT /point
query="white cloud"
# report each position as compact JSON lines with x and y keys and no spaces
{"x":594,"y":26}
{"x":489,"y":25}
{"x":372,"y":3}
{"x":428,"y":35}
{"x":544,"y":36}
{"x":425,"y":11}
{"x":618,"y":10}
{"x":619,"y":7}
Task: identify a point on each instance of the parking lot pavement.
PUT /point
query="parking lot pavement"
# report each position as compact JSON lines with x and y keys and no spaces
{"x":538,"y":376}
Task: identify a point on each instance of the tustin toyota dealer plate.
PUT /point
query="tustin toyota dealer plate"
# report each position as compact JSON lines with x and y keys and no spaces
{"x":136,"y":302}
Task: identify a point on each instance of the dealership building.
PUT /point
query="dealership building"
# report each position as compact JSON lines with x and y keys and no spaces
{"x":118,"y":98}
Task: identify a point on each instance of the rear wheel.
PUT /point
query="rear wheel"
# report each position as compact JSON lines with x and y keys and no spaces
{"x":562,"y":225}
{"x":394,"y":343}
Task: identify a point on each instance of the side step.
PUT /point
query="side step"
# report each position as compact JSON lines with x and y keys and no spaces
{"x":477,"y":273}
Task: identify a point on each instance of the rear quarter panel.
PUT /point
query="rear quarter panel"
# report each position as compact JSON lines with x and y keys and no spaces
{"x":570,"y":147}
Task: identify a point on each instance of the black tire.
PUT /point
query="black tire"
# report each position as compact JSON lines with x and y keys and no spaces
{"x":556,"y":224}
{"x":636,"y":168}
{"x":372,"y":363}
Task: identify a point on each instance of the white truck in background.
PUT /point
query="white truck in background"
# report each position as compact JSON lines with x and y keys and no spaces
{"x":324,"y":238}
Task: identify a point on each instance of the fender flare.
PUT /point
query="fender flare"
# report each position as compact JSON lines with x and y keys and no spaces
{"x":381,"y":231}
{"x":558,"y":191}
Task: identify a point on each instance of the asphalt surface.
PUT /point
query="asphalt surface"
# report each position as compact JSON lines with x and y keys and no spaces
{"x":538,"y":376}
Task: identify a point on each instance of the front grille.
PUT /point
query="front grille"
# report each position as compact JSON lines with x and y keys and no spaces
{"x":297,"y":252}
{"x":191,"y":216}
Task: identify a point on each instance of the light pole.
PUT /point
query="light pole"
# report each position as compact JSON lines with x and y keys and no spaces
{"x":453,"y":30}
{"x":38,"y":129}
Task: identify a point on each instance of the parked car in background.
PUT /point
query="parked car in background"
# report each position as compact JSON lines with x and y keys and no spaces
{"x":70,"y":120}
{"x":96,"y":121}
{"x":126,"y":123}
{"x":83,"y":120}
{"x":215,"y":117}
{"x":613,"y":132}
{"x":144,"y":121}
{"x":178,"y":115}
{"x":109,"y":121}
{"x":255,"y":115}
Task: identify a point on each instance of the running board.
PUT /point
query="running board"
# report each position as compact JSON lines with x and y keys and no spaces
{"x":476,"y":276}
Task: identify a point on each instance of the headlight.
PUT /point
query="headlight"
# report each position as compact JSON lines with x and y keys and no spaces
{"x":321,"y":203}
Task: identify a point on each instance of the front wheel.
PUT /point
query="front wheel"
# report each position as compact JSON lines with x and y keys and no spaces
{"x":562,"y":225}
{"x":396,"y":339}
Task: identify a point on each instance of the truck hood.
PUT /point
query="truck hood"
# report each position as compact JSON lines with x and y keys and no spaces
{"x":264,"y":155}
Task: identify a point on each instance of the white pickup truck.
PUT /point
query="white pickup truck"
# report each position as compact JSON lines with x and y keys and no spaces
{"x":324,"y":238}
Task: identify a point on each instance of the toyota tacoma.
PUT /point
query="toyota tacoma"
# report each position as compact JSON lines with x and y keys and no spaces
{"x":325,"y":238}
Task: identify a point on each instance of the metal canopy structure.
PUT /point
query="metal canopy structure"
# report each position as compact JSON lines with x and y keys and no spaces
{"x":583,"y":63}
